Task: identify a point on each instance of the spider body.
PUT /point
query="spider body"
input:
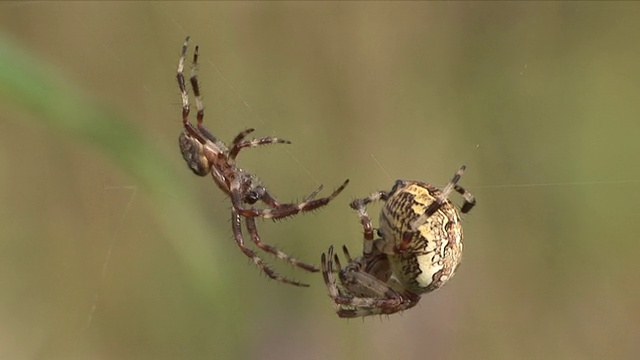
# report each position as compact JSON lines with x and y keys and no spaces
{"x":205,"y":154}
{"x":434,"y":249}
{"x":418,"y":249}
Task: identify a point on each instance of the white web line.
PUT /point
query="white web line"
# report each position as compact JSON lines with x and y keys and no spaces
{"x":382,"y":168}
{"x":549,"y":184}
{"x":113,"y":53}
{"x":259,"y":118}
{"x":529,"y":185}
{"x":114,"y":236}
{"x":158,"y":5}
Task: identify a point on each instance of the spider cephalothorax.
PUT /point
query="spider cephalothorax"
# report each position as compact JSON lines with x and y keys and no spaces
{"x":205,"y":154}
{"x":418,"y":249}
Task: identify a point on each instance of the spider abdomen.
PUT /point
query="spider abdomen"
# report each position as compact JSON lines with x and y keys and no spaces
{"x":193,"y":153}
{"x":431,"y":247}
{"x":418,"y":248}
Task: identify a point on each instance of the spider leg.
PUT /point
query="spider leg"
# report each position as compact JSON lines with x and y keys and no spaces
{"x":442,"y":198}
{"x":336,"y":258}
{"x":327,"y":274}
{"x":253,"y":230}
{"x":279,"y":211}
{"x":383,"y":298}
{"x":376,"y":196}
{"x":237,"y":234}
{"x":371,"y":246}
{"x":346,"y":253}
{"x":365,"y":220}
{"x":185,"y":94}
{"x":193,"y":79}
{"x":191,"y":142}
{"x":190,"y":130}
{"x":313,"y":194}
{"x":335,"y":292}
{"x":272,"y":202}
{"x":239,"y":143}
{"x":369,"y":284}
{"x":376,"y":307}
{"x":242,"y":135}
{"x":469,"y":200}
{"x":181,"y":83}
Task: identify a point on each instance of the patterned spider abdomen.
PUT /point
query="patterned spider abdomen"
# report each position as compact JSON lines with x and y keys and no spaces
{"x":193,"y":153}
{"x":428,"y":249}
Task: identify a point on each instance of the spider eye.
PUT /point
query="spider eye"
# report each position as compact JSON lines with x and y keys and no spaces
{"x":252,"y":197}
{"x":255,"y":193}
{"x":379,"y":232}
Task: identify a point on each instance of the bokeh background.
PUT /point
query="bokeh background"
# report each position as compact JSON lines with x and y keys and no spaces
{"x":111,"y":249}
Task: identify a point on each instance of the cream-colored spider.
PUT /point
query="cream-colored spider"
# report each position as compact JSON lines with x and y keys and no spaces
{"x":418,"y":249}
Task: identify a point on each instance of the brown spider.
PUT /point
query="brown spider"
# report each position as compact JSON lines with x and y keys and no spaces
{"x":205,"y":154}
{"x":418,"y":249}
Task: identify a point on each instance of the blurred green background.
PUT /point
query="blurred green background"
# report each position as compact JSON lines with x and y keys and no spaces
{"x":111,"y":249}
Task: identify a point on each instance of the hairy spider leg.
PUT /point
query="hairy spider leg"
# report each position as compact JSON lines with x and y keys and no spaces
{"x":253,"y":231}
{"x":469,"y":200}
{"x":190,"y":129}
{"x":387,"y":301}
{"x":359,"y":205}
{"x":193,"y":79}
{"x":279,"y":211}
{"x":444,"y":195}
{"x":241,"y":144}
{"x":239,"y":238}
